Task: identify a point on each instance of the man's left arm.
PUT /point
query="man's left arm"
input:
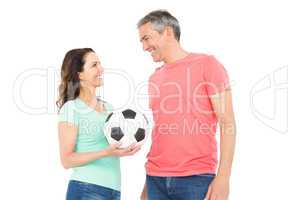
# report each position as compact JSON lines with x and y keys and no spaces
{"x":222,"y":105}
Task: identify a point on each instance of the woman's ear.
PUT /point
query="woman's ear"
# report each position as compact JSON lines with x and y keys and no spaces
{"x":80,"y":75}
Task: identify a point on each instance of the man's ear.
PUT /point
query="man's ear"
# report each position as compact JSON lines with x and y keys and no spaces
{"x":169,"y":31}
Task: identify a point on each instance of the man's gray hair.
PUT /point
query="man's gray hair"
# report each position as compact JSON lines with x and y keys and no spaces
{"x":160,"y":19}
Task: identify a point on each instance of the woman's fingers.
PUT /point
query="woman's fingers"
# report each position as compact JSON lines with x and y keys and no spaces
{"x":136,"y":149}
{"x":132,"y":149}
{"x":116,"y":150}
{"x":132,"y":146}
{"x":115,"y":145}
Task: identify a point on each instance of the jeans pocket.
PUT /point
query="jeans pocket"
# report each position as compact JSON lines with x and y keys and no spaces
{"x":204,"y":180}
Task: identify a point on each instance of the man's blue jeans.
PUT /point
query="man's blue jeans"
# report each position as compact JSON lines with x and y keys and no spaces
{"x":178,"y":188}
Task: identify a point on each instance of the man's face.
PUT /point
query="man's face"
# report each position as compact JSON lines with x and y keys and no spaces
{"x":152,"y":41}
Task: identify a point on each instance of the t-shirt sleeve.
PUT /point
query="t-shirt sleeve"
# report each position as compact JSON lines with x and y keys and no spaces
{"x":68,"y":113}
{"x":216,"y":76}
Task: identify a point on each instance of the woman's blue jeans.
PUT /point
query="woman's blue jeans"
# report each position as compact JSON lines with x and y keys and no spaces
{"x":78,"y":190}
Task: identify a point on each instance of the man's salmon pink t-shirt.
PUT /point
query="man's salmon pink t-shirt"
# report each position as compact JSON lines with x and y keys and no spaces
{"x":184,"y":133}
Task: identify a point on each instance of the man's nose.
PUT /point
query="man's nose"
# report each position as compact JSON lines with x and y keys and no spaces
{"x":100,"y":69}
{"x":145,"y":46}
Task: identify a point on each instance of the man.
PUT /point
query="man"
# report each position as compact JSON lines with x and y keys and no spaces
{"x":189,"y":96}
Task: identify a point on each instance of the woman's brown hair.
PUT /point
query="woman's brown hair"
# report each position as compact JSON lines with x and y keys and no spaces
{"x":69,"y":87}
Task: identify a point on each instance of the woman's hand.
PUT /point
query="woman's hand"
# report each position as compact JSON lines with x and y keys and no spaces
{"x":114,"y":150}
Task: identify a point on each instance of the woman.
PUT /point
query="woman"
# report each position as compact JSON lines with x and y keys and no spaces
{"x":83,"y":146}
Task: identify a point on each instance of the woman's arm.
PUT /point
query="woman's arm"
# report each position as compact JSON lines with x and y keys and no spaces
{"x":69,"y":158}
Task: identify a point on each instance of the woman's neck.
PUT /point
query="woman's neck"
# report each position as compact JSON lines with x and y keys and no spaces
{"x":88,"y":95}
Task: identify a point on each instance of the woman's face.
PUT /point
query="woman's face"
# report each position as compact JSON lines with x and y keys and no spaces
{"x":92,"y":74}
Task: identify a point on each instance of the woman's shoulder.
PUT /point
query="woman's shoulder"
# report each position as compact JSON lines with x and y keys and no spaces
{"x":108,"y":106}
{"x":67,"y":112}
{"x":70,"y":104}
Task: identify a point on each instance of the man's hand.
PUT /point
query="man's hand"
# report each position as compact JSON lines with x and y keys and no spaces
{"x":144,"y":193}
{"x":218,"y":189}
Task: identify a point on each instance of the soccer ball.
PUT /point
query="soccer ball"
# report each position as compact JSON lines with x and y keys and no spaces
{"x":126,"y":127}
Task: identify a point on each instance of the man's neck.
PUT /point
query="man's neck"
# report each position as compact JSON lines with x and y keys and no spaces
{"x":175,"y":52}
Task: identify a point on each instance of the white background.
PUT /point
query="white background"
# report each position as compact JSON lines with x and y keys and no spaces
{"x":257,"y":41}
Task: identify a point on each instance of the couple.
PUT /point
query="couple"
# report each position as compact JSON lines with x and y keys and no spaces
{"x":189,"y":94}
